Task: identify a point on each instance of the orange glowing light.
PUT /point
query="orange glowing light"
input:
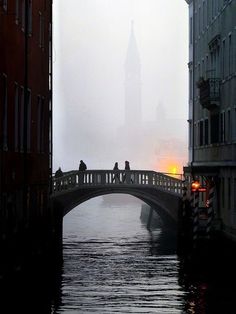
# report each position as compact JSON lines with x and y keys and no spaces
{"x":174,"y":170}
{"x":195,"y":186}
{"x":170,"y":165}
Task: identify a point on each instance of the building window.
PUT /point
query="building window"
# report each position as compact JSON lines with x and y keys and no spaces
{"x":208,"y":11}
{"x":190,"y":132}
{"x":41,"y":30}
{"x":203,"y":68}
{"x":30,"y":17}
{"x":16,"y":130}
{"x":23,"y":15}
{"x":214,"y":128}
{"x":218,"y":61}
{"x":21,"y":116}
{"x":234,"y":126}
{"x":235,"y":195}
{"x":204,"y":14}
{"x":229,"y":193}
{"x":222,"y":127}
{"x":191,"y":31}
{"x":195,"y":144}
{"x":190,"y":84}
{"x":207,"y":66}
{"x":228,"y":126}
{"x":28,"y":120}
{"x":201,"y":133}
{"x":4,"y":4}
{"x":223,"y":192}
{"x":223,"y":59}
{"x":213,"y":8}
{"x":199,"y":21}
{"x":230,"y":54}
{"x":206,"y":130}
{"x":5,"y":113}
{"x":17,"y":11}
{"x":199,"y":69}
{"x":40,"y":124}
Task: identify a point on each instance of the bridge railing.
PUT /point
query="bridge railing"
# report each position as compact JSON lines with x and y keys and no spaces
{"x":87,"y":178}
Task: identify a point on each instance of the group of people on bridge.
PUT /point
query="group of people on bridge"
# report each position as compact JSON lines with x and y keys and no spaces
{"x":83,"y":167}
{"x":118,"y":177}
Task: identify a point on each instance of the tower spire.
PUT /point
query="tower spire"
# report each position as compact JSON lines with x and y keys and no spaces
{"x":133,"y":112}
{"x":132,"y":58}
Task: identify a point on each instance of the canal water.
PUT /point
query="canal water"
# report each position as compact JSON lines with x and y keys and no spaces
{"x":113,"y":264}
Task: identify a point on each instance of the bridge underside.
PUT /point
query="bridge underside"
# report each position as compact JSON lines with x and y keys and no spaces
{"x":167,"y":204}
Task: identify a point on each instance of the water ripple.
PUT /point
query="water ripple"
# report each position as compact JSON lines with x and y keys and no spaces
{"x":115,"y":271}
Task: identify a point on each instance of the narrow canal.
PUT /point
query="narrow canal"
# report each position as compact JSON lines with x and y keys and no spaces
{"x":113,"y":264}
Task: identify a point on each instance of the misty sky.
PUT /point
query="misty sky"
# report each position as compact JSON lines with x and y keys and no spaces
{"x":90,"y":45}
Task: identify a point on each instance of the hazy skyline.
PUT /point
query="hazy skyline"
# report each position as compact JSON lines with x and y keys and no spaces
{"x":90,"y":45}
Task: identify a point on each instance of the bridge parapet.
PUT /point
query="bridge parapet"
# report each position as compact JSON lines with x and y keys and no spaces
{"x":106,"y":178}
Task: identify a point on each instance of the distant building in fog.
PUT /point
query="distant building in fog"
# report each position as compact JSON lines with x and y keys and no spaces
{"x":25,"y":116}
{"x":212,"y":103}
{"x":133,"y":102}
{"x":158,"y":144}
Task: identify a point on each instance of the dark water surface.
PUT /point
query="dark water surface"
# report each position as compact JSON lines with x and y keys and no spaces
{"x":113,"y":264}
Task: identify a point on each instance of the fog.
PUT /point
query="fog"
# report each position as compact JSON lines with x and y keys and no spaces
{"x":92,"y":40}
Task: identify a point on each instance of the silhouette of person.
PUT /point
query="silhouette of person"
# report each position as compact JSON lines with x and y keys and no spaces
{"x":127,"y":166}
{"x":58,"y":173}
{"x":127,"y":176}
{"x":116,"y":166}
{"x":82,"y":166}
{"x":116,"y":176}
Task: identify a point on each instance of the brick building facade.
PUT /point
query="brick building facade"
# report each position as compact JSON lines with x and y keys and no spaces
{"x":212,"y":105}
{"x":25,"y":118}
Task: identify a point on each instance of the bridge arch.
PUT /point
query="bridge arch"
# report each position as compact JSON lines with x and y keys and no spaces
{"x":163,"y":193}
{"x":165,"y":204}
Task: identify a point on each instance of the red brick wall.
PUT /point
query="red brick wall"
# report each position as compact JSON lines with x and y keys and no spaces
{"x":16,"y":166}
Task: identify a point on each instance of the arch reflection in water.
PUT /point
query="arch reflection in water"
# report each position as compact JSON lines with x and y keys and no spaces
{"x":109,"y":265}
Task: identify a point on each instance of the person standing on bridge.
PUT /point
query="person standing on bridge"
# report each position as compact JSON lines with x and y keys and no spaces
{"x":82,"y":167}
{"x":58,"y":173}
{"x":126,"y":177}
{"x":116,"y":176}
{"x":127,"y":166}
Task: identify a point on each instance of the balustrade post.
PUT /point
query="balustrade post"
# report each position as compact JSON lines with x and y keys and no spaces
{"x":150,"y":178}
{"x":103,"y":178}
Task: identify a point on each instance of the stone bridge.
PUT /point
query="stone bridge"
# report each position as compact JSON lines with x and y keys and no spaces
{"x":160,"y":191}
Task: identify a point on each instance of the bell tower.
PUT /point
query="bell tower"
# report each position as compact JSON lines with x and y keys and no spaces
{"x":133,"y":110}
